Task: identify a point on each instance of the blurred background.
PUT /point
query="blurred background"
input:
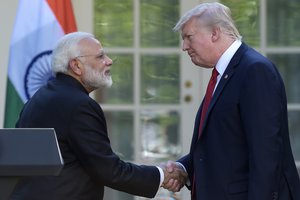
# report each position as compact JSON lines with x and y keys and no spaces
{"x":151,"y":106}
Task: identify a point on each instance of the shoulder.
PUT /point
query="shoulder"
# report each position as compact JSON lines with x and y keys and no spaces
{"x":252,"y":61}
{"x":70,"y":96}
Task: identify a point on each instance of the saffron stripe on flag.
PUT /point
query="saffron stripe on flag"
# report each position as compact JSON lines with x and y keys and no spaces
{"x":65,"y":18}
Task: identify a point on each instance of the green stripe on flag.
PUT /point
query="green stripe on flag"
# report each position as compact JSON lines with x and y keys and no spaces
{"x":13,"y":106}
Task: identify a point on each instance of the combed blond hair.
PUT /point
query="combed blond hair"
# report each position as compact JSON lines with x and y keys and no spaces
{"x":211,"y":14}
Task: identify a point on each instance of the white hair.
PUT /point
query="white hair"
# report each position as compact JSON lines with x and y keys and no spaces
{"x":211,"y":14}
{"x":66,"y":49}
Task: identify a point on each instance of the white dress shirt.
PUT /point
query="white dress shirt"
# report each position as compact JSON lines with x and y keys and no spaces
{"x":226,"y":58}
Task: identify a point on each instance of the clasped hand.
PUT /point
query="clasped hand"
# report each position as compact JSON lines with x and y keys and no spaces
{"x":175,"y":176}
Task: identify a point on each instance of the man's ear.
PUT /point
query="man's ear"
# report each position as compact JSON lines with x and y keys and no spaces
{"x":76,"y":67}
{"x":215,"y":34}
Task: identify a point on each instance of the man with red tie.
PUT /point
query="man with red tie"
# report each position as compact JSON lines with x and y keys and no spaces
{"x":240,"y":148}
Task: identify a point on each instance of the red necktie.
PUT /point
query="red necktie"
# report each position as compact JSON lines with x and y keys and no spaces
{"x":208,"y":96}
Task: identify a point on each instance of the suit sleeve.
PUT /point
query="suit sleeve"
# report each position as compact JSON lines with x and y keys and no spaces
{"x":186,"y":162}
{"x":261,"y":107}
{"x":89,"y":140}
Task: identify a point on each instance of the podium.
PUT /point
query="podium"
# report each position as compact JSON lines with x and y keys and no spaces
{"x":27,"y":152}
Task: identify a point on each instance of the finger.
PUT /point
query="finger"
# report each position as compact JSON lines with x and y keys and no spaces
{"x":175,"y":187}
{"x":169,"y":184}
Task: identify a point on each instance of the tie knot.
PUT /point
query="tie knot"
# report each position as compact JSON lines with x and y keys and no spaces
{"x":215,"y":73}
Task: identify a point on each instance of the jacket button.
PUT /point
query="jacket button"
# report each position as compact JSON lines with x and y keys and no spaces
{"x":275,"y":195}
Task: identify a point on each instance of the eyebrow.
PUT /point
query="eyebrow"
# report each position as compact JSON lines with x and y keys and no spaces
{"x":185,"y":35}
{"x":102,"y":51}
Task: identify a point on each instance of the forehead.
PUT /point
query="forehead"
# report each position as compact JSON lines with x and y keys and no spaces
{"x":90,"y":45}
{"x":190,"y":25}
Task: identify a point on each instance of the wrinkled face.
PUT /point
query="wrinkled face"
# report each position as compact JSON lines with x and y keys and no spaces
{"x":97,"y":64}
{"x":198,"y":42}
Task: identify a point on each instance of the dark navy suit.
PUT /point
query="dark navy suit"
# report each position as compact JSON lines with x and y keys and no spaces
{"x":244,"y":151}
{"x":90,"y":164}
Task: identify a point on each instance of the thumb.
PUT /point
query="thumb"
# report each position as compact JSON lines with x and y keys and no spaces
{"x":170,"y":166}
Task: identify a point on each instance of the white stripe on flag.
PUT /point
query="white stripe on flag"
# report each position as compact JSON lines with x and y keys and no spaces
{"x":35,"y":33}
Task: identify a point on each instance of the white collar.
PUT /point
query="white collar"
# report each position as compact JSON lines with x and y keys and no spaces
{"x":227,"y":56}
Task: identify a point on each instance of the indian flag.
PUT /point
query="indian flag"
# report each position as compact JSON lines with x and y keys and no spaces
{"x":38,"y":26}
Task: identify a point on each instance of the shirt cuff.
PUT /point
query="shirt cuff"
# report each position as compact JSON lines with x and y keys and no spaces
{"x":181,"y":166}
{"x":162,"y":176}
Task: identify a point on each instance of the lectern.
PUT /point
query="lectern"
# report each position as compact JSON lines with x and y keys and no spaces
{"x":27,"y":152}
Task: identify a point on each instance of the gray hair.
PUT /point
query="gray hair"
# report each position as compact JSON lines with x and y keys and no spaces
{"x":212,"y":14}
{"x":66,"y":49}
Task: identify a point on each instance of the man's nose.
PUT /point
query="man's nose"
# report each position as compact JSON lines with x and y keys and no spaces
{"x":185,"y":46}
{"x":108,"y":61}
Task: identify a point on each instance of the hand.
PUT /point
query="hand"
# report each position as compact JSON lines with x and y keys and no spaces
{"x":175,"y":176}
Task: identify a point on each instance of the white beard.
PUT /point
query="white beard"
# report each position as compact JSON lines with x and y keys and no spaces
{"x":96,"y":79}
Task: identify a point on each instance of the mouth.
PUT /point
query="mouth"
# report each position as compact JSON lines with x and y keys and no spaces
{"x":107,"y":72}
{"x":191,"y":54}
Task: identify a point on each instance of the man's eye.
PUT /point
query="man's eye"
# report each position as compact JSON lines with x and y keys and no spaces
{"x":187,"y":37}
{"x":100,"y":56}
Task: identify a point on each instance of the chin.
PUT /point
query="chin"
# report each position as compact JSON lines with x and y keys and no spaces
{"x":107,"y":83}
{"x":196,"y":63}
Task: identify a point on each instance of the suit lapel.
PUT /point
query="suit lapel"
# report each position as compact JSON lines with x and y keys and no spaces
{"x":196,"y":127}
{"x":223,"y":81}
{"x":233,"y":64}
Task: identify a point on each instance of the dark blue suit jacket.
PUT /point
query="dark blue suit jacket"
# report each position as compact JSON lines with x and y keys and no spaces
{"x":244,"y":151}
{"x":90,"y":163}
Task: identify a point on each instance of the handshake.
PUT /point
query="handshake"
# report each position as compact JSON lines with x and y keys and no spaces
{"x":175,"y":176}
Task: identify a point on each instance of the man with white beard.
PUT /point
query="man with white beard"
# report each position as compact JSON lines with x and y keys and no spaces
{"x":80,"y":66}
